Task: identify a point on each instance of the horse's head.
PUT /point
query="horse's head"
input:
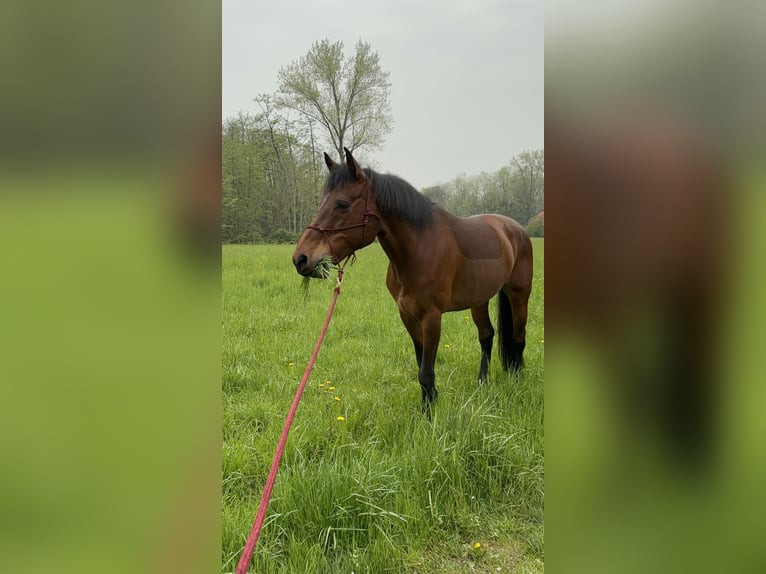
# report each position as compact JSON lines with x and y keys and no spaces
{"x":346,"y":219}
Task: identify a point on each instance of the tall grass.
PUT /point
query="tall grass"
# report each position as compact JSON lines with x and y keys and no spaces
{"x":367,"y":484}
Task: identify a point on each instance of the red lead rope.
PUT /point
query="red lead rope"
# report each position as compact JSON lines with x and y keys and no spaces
{"x":247,"y":553}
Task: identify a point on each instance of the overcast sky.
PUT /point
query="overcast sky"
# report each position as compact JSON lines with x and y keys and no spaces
{"x":466,"y":75}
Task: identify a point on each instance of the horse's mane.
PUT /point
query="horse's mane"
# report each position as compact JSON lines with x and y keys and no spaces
{"x":393,"y":195}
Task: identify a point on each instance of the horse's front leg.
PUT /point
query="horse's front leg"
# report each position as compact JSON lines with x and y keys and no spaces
{"x":416,"y":334}
{"x":431,"y":327}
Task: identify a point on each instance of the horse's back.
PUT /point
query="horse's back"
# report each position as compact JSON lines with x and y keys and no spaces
{"x":474,"y":238}
{"x":513,"y":236}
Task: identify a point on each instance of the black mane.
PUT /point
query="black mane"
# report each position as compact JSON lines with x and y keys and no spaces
{"x":393,"y":195}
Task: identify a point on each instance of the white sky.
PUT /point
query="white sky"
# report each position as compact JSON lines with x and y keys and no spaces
{"x":466,"y":75}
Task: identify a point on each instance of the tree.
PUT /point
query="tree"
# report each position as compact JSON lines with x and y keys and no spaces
{"x":437,"y":194}
{"x":464,"y":195}
{"x":528,"y":184}
{"x":349,"y":98}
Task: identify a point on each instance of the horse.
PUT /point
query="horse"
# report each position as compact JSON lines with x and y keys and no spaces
{"x":438,"y":262}
{"x":638,"y":267}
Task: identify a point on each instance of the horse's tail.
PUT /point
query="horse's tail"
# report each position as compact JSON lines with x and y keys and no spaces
{"x":505,"y":329}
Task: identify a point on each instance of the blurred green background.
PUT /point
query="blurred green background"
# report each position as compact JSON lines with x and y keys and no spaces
{"x":620,"y":498}
{"x":109,"y":290}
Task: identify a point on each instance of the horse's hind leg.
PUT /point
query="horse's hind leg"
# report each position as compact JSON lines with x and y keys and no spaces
{"x":513,"y":301}
{"x":519,"y":300}
{"x":480,"y":316}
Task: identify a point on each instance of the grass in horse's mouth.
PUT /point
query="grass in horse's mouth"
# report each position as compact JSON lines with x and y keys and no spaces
{"x":322,"y":269}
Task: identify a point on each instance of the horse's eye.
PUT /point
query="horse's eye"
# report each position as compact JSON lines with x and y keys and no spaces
{"x":341,"y":204}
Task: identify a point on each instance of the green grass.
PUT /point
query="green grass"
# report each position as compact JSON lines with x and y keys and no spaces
{"x":384,"y":490}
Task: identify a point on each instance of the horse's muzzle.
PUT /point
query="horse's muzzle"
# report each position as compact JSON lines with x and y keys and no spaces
{"x":301,"y":262}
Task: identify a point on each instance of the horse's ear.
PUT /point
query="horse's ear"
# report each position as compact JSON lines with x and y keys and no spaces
{"x":355,"y":169}
{"x":329,"y":161}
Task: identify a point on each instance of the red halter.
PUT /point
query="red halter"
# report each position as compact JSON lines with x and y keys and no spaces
{"x":327,"y":230}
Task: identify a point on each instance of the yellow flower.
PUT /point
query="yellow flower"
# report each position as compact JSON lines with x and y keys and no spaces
{"x":337,"y":398}
{"x":542,"y":340}
{"x":332,"y":388}
{"x":327,"y":382}
{"x":340,"y":419}
{"x":321,"y":385}
{"x":447,"y":346}
{"x":477,"y":545}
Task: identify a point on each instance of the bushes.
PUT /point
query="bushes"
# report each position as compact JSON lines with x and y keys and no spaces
{"x":536,"y":225}
{"x":283,"y":236}
{"x":254,"y":237}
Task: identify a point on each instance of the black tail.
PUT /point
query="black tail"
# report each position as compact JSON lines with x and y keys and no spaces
{"x":511,"y":353}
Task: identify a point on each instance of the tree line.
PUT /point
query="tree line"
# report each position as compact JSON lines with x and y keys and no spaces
{"x":273,"y":175}
{"x":516,"y":190}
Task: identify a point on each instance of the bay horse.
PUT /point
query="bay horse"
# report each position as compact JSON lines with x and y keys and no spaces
{"x":437,"y":262}
{"x":637,"y":207}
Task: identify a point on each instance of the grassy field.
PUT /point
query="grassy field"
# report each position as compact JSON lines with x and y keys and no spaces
{"x":380,"y":489}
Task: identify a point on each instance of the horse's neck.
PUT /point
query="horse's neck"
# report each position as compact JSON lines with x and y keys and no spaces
{"x":403,"y":244}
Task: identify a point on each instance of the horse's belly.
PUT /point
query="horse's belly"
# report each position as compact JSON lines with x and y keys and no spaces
{"x":477,"y":282}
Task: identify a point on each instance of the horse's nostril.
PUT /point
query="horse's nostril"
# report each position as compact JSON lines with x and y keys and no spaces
{"x":300,"y":261}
